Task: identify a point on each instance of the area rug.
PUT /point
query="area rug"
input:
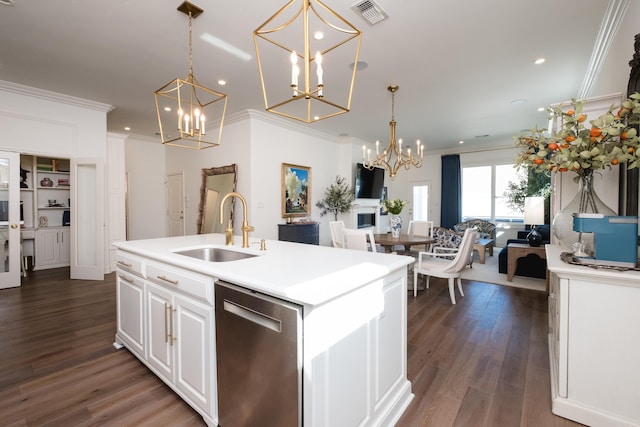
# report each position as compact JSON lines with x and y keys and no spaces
{"x":488,"y":273}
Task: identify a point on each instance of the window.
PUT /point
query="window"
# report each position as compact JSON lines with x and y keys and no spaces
{"x":483,"y":190}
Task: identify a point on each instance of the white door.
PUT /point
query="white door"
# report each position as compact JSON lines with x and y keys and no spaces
{"x":9,"y":220}
{"x":419,"y":208}
{"x":175,"y":204}
{"x":87,"y":219}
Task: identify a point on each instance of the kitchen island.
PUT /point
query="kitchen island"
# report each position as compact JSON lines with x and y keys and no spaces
{"x":353,"y":340}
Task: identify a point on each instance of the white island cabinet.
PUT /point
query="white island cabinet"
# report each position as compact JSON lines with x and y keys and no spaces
{"x":594,"y":344}
{"x":354,"y":320}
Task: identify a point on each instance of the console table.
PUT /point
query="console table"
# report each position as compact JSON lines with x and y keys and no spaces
{"x":308,"y":232}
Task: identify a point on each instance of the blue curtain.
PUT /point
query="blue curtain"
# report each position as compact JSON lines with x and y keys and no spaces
{"x":451,"y":203}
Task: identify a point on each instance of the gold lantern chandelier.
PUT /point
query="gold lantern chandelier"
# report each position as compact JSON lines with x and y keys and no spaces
{"x":186,"y":109}
{"x":393,"y":157}
{"x":308,"y":78}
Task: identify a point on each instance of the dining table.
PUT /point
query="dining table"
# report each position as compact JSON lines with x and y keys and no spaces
{"x":387,"y":241}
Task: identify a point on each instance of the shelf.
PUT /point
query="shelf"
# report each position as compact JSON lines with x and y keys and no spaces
{"x":53,"y":172}
{"x":26,"y":189}
{"x":52,"y":207}
{"x":63,"y":187}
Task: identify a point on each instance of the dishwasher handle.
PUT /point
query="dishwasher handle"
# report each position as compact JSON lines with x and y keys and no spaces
{"x":253,"y":316}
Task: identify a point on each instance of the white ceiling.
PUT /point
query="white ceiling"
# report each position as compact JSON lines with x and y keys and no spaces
{"x":459,"y":64}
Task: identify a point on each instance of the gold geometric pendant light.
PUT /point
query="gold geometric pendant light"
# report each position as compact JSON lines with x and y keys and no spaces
{"x":188,"y":111}
{"x":307,"y":78}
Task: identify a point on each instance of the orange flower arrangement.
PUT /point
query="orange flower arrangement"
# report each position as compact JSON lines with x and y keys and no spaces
{"x":608,"y":140}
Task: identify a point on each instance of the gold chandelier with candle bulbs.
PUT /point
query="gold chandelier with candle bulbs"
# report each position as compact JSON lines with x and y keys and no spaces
{"x":188,"y":111}
{"x":393,"y":157}
{"x":309,"y":78}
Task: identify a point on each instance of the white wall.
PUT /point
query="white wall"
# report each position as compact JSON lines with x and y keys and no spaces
{"x":146,"y":185}
{"x":273,"y":142}
{"x":58,"y":125}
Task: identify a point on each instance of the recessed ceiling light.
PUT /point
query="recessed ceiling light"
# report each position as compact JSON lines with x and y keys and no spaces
{"x":539,"y":61}
{"x":127,"y":128}
{"x":167,"y":108}
{"x":318,"y":35}
{"x":542,"y":109}
{"x":460,"y":142}
{"x":222,"y":82}
{"x":361,"y":65}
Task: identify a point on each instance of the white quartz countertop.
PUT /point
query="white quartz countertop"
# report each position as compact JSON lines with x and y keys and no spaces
{"x":563,"y":269}
{"x":305,"y":274}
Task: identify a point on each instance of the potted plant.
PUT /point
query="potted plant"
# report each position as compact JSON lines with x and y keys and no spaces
{"x":394,"y":207}
{"x":338,"y":198}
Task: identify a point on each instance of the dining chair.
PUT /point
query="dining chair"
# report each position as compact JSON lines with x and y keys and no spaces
{"x":359,"y":239}
{"x":337,"y":237}
{"x":432,"y":264}
{"x":421,"y":228}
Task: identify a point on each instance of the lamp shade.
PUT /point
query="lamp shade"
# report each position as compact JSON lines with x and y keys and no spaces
{"x":534,"y":210}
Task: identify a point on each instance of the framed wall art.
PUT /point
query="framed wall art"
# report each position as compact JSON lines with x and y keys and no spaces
{"x":296,"y":190}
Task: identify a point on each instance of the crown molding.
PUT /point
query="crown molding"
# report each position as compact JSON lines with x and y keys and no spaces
{"x":282,"y":122}
{"x":611,"y":22}
{"x":54,"y":96}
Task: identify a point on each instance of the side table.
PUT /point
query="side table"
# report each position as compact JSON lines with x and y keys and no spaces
{"x":519,"y":250}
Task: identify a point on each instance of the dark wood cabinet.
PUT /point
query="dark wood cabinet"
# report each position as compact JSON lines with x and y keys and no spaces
{"x":300,"y":233}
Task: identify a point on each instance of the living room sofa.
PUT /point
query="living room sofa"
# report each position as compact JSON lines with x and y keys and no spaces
{"x":531,"y":265}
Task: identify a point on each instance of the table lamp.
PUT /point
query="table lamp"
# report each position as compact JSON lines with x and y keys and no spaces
{"x":534,"y":215}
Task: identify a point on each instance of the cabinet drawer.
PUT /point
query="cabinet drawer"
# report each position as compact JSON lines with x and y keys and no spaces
{"x":188,"y":282}
{"x":131,"y":263}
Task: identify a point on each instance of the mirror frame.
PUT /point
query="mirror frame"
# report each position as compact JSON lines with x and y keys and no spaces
{"x":233,"y":168}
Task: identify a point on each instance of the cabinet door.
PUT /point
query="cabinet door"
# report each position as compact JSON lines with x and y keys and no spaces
{"x":46,"y":248}
{"x":64,"y":246}
{"x":130,"y":316}
{"x":194,"y":363}
{"x":159,"y":314}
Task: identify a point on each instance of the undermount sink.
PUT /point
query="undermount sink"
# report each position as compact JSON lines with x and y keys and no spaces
{"x":215,"y":254}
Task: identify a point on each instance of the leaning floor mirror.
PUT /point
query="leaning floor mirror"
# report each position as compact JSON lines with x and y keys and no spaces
{"x":216,"y":183}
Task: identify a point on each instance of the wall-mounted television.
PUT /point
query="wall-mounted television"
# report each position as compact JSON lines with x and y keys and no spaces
{"x":369,"y":183}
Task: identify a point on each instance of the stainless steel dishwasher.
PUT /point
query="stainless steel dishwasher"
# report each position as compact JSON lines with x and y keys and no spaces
{"x":259,"y":358}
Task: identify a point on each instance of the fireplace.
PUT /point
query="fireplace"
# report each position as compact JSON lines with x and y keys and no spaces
{"x":366,"y":214}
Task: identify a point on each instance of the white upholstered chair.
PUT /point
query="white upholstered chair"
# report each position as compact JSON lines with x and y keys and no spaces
{"x":337,"y":237}
{"x":421,"y":228}
{"x":359,"y":239}
{"x":432,"y":264}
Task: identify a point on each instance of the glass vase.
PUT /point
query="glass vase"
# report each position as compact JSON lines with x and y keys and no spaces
{"x":395,"y":222}
{"x":585,"y":201}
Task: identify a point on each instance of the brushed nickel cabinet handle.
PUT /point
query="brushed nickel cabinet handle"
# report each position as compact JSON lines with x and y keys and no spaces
{"x":126,"y":264}
{"x":166,"y":279}
{"x":125,"y":278}
{"x":171,"y":311}
{"x":167,"y":307}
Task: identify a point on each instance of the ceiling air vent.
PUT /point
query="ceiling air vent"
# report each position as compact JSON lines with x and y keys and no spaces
{"x":370,"y":11}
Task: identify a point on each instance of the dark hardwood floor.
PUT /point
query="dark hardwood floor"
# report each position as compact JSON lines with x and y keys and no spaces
{"x":482,"y":362}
